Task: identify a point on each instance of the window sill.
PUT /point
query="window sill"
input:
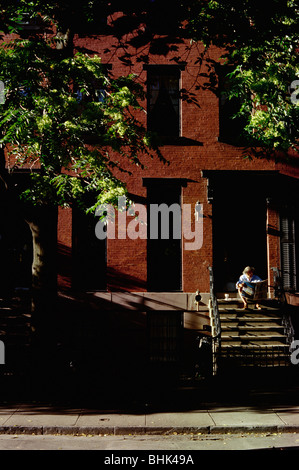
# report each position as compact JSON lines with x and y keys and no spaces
{"x":183,"y":141}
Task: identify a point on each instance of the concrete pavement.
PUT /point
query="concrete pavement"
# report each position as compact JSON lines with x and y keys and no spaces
{"x":36,"y":419}
{"x":220,"y":406}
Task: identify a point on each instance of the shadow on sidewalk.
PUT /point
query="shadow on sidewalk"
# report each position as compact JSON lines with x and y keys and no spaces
{"x":137,"y":394}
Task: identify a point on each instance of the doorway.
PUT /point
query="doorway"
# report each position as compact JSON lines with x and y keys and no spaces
{"x":239,"y":230}
{"x":164,"y":260}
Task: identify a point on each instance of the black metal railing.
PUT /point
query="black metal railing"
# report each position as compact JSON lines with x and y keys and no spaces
{"x":279,"y":293}
{"x":263,"y":356}
{"x":215,"y":310}
{"x":215,"y":317}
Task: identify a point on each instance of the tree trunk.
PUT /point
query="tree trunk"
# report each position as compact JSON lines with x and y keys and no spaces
{"x":43,"y":226}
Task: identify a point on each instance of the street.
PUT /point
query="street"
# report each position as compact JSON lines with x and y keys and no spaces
{"x":173,"y":443}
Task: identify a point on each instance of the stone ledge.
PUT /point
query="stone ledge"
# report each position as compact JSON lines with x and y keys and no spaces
{"x":151,"y":300}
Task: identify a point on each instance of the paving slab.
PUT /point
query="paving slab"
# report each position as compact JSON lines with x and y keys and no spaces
{"x":5,"y":413}
{"x":289,"y":415}
{"x":111,"y":420}
{"x":241,"y":416}
{"x":37,"y":419}
{"x":179,"y":421}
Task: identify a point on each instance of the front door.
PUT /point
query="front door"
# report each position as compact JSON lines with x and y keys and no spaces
{"x":239,"y":230}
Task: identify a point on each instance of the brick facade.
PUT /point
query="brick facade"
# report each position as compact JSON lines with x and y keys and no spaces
{"x":198,"y":150}
{"x":209,"y":171}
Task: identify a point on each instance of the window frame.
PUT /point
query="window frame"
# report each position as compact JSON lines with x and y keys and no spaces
{"x":165,"y":70}
{"x":288,"y":256}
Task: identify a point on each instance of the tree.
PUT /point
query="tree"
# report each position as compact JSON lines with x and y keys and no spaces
{"x":69,"y":123}
{"x":260,"y":46}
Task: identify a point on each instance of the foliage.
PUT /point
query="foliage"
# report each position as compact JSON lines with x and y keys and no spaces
{"x":66,"y":119}
{"x":261,"y":47}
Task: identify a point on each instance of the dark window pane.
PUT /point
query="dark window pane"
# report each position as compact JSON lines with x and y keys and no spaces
{"x":231,"y":128}
{"x":163,"y":102}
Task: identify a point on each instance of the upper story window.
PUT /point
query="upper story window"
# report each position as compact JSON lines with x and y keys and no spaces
{"x":231,"y":126}
{"x":289,"y":260}
{"x":30,"y":23}
{"x":163,"y":100}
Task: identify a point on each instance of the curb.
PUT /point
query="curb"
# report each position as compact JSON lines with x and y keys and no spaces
{"x":122,"y":431}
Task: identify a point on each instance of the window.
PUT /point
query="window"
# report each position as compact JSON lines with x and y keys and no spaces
{"x":163,"y":100}
{"x":96,"y":95}
{"x":29,"y":23}
{"x":288,"y":252}
{"x":94,"y":90}
{"x":230,"y":128}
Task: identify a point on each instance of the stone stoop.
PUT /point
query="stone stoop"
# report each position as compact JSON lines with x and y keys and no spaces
{"x":252,"y":337}
{"x":14,"y":334}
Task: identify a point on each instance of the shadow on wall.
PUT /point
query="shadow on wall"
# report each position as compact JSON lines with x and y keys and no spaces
{"x":100,"y":340}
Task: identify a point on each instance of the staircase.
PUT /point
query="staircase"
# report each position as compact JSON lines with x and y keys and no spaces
{"x":251,"y":337}
{"x":14,"y":335}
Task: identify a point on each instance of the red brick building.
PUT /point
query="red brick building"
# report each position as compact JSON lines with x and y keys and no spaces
{"x":249,"y":209}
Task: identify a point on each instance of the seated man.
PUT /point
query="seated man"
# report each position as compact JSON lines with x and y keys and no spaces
{"x":247,"y":276}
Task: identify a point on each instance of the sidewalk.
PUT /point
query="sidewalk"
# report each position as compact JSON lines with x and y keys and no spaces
{"x":217,"y":407}
{"x":29,"y":419}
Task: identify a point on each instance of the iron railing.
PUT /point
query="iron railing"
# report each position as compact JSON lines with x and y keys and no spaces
{"x":286,"y":318}
{"x":263,"y":356}
{"x":215,"y":319}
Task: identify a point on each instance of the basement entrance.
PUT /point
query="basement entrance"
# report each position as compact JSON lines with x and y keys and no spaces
{"x":239,"y":226}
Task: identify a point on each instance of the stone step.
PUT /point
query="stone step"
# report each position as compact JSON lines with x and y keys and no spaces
{"x":241,"y":361}
{"x":251,"y":305}
{"x":252,"y":337}
{"x":252,"y":320}
{"x":264,"y":311}
{"x":234,"y":326}
{"x":255,"y":356}
{"x":247,"y":336}
{"x":252,"y":317}
{"x":253,"y":343}
{"x":236,"y":300}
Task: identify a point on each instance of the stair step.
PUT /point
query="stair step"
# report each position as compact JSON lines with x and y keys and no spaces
{"x":250,"y":311}
{"x":252,"y":337}
{"x":242,"y":361}
{"x":232,"y":326}
{"x":257,"y":317}
{"x":237,"y":300}
{"x":227,"y":320}
{"x":253,"y":343}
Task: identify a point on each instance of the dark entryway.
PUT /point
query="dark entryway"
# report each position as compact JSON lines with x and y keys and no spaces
{"x":239,"y":227}
{"x":89,"y":254}
{"x":164,"y":260}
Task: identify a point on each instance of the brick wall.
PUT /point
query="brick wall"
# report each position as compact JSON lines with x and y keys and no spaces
{"x":126,"y":259}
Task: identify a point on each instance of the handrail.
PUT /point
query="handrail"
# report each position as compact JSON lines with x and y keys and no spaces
{"x":288,"y":328}
{"x":215,"y":310}
{"x":216,"y":328}
{"x":279,"y":292}
{"x":286,"y":318}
